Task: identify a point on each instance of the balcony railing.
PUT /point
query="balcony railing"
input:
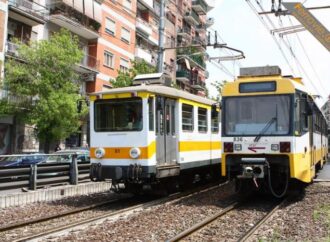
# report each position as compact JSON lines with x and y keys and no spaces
{"x":199,"y":60}
{"x":11,"y":48}
{"x":209,"y":22}
{"x":192,"y":17}
{"x":90,"y":62}
{"x":24,"y":101}
{"x":183,"y":74}
{"x":144,"y":26}
{"x":77,"y":17}
{"x":184,"y":30}
{"x":29,"y":7}
{"x":200,"y":6}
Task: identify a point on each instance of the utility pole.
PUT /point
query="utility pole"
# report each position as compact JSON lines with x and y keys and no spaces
{"x":161,"y":30}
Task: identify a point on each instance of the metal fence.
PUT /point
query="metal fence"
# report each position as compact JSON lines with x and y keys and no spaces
{"x":36,"y":176}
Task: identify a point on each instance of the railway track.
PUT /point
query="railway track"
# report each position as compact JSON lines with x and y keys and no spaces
{"x":195,"y":229}
{"x":82,"y":223}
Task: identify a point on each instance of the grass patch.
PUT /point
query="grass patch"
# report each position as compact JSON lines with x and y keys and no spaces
{"x":323,"y":213}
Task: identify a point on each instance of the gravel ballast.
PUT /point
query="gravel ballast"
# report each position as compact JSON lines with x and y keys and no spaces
{"x":307,"y":218}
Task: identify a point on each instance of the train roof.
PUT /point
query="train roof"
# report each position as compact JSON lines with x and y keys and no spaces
{"x":158,"y":89}
{"x":285,"y":84}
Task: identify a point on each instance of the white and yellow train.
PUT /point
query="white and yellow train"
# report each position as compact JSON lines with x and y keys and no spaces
{"x":143,"y":135}
{"x":273,"y":133}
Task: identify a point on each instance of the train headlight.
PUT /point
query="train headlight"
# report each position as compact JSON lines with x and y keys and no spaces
{"x":135,"y":153}
{"x":99,"y":153}
{"x":238,"y":147}
{"x":275,"y":147}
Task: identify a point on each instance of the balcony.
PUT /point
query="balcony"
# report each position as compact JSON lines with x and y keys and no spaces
{"x":88,"y":64}
{"x":143,"y":27}
{"x":184,"y":32}
{"x":209,"y":22}
{"x":22,"y":100}
{"x":200,"y":42}
{"x":201,"y":28}
{"x":200,"y":6}
{"x":183,"y":76}
{"x":87,"y":29}
{"x":144,"y":54}
{"x":11,"y":49}
{"x":192,"y":18}
{"x":147,"y":3}
{"x":198,"y":85}
{"x":28,"y":12}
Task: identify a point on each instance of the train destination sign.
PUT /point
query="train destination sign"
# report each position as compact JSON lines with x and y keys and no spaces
{"x":310,"y":22}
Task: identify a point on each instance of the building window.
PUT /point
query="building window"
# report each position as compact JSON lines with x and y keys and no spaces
{"x":124,"y":64}
{"x":187,"y":117}
{"x":109,"y":59}
{"x":125,"y":35}
{"x":110,"y":26}
{"x":215,"y":121}
{"x":127,"y":4}
{"x":202,"y":120}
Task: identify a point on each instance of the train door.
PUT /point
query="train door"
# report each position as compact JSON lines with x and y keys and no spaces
{"x":166,"y":134}
{"x":311,"y":130}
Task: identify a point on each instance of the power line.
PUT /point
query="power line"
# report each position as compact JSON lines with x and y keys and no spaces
{"x":223,"y":68}
{"x":289,"y":47}
{"x":307,"y":56}
{"x":274,"y":38}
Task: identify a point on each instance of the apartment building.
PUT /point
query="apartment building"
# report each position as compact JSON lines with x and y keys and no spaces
{"x":111,"y":34}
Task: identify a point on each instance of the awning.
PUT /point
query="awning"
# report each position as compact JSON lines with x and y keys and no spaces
{"x":187,"y":64}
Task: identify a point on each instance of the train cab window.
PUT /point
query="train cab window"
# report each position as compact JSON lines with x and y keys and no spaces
{"x":151,"y":113}
{"x":118,"y":115}
{"x":187,"y":117}
{"x":202,"y":120}
{"x":215,"y":121}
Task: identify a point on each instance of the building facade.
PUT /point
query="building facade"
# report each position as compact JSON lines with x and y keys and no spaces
{"x":111,"y":34}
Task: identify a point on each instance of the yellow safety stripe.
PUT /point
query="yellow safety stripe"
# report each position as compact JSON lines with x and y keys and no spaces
{"x":186,"y":146}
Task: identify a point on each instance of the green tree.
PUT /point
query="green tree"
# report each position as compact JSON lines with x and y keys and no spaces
{"x":44,"y":88}
{"x":125,"y":78}
{"x":219,"y":86}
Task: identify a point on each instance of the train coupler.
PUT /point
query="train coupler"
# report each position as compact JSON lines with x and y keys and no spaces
{"x":253,"y":168}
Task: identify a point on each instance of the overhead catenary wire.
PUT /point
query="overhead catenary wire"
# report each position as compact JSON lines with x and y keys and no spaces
{"x":308,"y":58}
{"x":223,"y":68}
{"x":290,"y":49}
{"x":274,"y":38}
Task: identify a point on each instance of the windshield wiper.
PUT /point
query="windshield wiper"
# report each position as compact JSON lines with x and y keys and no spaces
{"x":264,"y":130}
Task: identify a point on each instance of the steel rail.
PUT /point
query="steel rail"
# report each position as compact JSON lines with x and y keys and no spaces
{"x":203,"y":223}
{"x":55,"y":216}
{"x":172,"y":198}
{"x":261,"y":222}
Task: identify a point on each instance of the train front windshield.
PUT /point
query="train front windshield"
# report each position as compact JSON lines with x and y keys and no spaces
{"x":115,"y":115}
{"x":257,"y":115}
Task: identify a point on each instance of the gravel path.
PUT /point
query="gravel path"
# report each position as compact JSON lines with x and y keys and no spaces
{"x":158,"y":223}
{"x":37,"y":210}
{"x":307,"y":219}
{"x":236,"y":223}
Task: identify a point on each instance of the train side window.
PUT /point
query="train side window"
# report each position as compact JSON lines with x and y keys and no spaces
{"x":304,"y":113}
{"x":173,"y":119}
{"x":151,"y":113}
{"x":187,"y":117}
{"x":214,"y":121}
{"x":202,"y":120}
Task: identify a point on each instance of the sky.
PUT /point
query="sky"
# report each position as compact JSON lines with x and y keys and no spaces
{"x":239,"y":27}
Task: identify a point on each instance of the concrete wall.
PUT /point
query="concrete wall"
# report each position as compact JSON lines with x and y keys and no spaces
{"x":52,"y":194}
